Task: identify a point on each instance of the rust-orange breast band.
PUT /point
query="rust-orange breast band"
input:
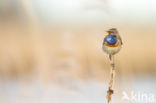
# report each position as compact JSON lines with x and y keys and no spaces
{"x":116,"y":45}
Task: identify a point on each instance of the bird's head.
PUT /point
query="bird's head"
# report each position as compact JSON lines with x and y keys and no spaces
{"x":112,"y":30}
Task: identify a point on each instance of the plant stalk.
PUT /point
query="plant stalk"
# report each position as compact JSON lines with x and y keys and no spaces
{"x":112,"y":77}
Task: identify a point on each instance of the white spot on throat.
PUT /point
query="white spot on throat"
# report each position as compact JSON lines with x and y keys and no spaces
{"x":109,"y":39}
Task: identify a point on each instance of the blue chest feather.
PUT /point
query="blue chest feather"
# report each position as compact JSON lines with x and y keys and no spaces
{"x":111,"y":40}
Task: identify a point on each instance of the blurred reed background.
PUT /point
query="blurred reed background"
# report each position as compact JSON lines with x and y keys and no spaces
{"x":61,"y":40}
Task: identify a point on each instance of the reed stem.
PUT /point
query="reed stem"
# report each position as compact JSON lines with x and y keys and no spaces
{"x":112,"y":77}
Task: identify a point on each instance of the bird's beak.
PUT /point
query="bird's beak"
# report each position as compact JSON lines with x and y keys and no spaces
{"x":108,"y":32}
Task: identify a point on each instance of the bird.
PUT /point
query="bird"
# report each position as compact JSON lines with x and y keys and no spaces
{"x":112,"y":42}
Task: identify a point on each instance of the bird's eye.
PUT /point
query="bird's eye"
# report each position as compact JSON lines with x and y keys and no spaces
{"x":114,"y":36}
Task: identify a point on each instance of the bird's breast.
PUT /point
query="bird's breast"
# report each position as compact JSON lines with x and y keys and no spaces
{"x":115,"y":45}
{"x":112,"y":49}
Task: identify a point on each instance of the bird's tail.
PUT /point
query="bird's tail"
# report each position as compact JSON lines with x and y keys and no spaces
{"x":110,"y":56}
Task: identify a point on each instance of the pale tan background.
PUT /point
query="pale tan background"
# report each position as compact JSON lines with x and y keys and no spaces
{"x":60,"y":42}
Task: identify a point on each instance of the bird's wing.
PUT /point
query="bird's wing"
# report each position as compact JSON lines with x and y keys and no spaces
{"x":104,"y":41}
{"x":120,"y":39}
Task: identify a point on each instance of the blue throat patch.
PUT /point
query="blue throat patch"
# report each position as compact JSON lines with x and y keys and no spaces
{"x":111,"y":40}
